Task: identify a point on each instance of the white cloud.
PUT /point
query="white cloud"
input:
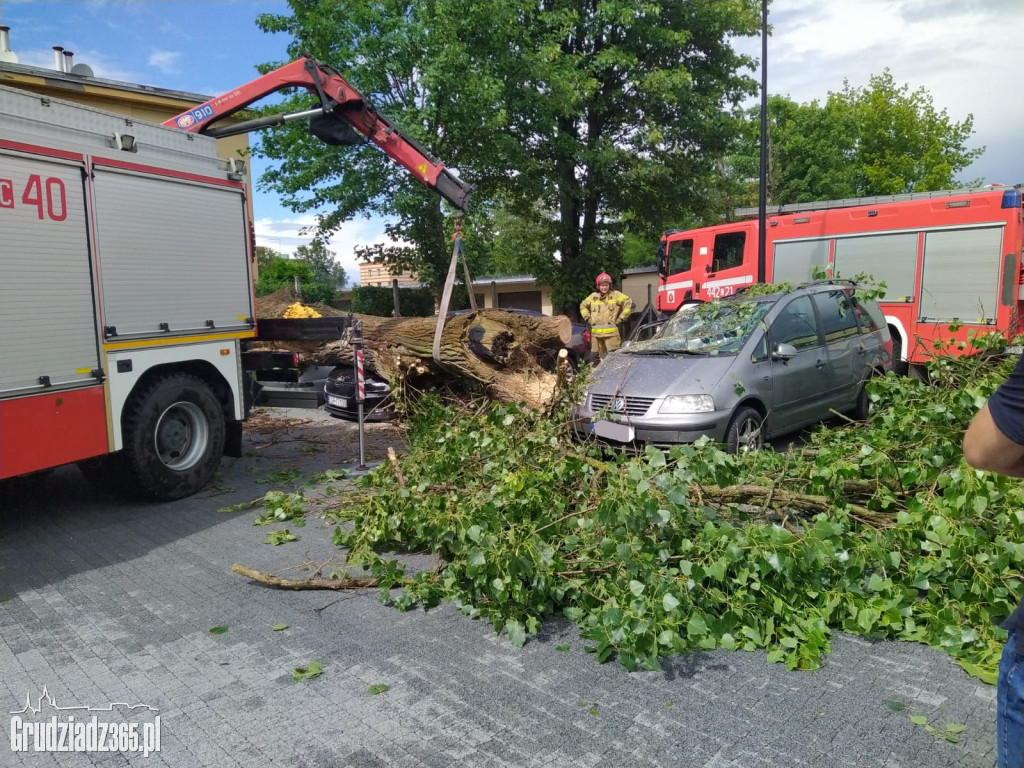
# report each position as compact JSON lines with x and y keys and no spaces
{"x":165,"y":61}
{"x":287,"y":234}
{"x":103,"y":65}
{"x":952,"y":49}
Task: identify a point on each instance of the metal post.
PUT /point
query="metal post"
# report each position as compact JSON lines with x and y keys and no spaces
{"x":357,"y":355}
{"x":394,"y":298}
{"x":762,"y":191}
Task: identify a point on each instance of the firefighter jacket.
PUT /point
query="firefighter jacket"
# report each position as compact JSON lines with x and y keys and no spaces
{"x":605,"y":312}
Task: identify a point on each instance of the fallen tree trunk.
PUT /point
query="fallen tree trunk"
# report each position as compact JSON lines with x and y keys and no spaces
{"x":498,"y":349}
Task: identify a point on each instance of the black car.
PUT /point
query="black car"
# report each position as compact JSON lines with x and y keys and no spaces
{"x":340,"y":394}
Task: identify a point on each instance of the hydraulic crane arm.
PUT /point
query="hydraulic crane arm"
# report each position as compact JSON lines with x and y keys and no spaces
{"x":342,"y":109}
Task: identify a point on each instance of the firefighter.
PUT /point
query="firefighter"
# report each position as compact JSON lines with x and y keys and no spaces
{"x":604,"y":309}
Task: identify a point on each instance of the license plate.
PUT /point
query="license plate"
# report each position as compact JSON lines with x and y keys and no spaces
{"x":612,"y":430}
{"x":340,"y":402}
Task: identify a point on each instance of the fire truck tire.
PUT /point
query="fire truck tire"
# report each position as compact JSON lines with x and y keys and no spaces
{"x":108,"y":474}
{"x":899,"y":367}
{"x":174,"y":434}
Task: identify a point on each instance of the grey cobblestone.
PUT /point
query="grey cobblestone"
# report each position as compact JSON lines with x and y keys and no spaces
{"x":109,"y":601}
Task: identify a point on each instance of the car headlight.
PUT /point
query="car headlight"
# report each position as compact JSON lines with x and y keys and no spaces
{"x":687,"y":404}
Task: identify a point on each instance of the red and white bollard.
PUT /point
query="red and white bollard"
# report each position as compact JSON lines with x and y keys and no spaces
{"x":357,"y":349}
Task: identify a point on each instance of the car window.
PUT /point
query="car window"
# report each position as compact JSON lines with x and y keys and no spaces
{"x":838,"y":318}
{"x":796,"y":325}
{"x":644,"y":332}
{"x":760,"y":353}
{"x":728,"y":251}
{"x":869,"y":315}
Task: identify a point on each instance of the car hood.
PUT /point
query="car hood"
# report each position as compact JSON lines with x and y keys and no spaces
{"x":658,"y":375}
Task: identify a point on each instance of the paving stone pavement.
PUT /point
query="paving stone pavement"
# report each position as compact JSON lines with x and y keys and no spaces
{"x":105,"y":601}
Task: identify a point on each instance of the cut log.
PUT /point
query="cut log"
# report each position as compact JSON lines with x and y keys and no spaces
{"x":497,"y":349}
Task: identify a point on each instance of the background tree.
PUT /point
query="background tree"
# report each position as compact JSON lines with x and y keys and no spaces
{"x":322,"y":262}
{"x":882,"y":139}
{"x":265,"y":255}
{"x":585,"y":119}
{"x":280,"y":272}
{"x":904,"y":144}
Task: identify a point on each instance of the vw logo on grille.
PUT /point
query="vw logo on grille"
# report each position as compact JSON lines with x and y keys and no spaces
{"x":619,"y":404}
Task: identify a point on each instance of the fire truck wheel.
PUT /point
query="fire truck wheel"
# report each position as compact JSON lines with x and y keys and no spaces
{"x":108,"y":474}
{"x":174,"y":436}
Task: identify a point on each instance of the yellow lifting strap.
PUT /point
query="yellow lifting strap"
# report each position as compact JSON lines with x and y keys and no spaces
{"x":449,"y":283}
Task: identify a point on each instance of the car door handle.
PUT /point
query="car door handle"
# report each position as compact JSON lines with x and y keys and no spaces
{"x":820,"y":364}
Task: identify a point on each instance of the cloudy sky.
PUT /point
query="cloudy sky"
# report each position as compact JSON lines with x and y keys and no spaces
{"x":964,"y":52}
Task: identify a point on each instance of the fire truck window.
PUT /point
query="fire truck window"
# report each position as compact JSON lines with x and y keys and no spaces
{"x":680,"y":256}
{"x":728,"y":251}
{"x":796,"y":325}
{"x":838,"y":318}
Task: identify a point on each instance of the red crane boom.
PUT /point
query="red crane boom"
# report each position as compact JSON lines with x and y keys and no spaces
{"x":342,"y":109}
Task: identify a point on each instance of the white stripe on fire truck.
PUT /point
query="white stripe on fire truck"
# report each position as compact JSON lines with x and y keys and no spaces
{"x":730,"y":281}
{"x":674,"y":285}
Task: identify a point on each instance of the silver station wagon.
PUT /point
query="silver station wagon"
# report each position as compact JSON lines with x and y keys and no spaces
{"x":741,"y":370}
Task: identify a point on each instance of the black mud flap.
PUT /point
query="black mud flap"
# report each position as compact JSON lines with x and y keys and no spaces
{"x":233,"y":439}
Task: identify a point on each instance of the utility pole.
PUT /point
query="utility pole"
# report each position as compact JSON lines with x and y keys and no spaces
{"x":762,"y":192}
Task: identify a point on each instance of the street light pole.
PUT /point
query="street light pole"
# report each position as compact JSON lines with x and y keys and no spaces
{"x":762,"y":192}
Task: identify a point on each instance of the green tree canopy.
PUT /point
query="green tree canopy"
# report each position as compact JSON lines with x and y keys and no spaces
{"x":280,"y":272}
{"x":264,"y":255}
{"x":882,"y":139}
{"x":322,"y":262}
{"x":583,"y":118}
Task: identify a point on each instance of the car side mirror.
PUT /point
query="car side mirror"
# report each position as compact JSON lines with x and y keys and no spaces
{"x":783,"y":352}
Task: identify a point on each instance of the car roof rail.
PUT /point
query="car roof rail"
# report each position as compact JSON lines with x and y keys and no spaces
{"x":828,"y":281}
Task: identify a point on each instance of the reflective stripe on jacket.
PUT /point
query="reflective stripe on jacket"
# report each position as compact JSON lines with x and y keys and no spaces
{"x":605,"y":312}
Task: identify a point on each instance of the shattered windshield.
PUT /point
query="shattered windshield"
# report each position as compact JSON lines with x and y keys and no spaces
{"x":714,"y":328}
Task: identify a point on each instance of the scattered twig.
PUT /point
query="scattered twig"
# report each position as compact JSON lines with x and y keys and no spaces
{"x":393,"y":458}
{"x":310,"y":583}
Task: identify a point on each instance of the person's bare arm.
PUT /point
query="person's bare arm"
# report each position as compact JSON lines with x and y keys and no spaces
{"x":985,"y":447}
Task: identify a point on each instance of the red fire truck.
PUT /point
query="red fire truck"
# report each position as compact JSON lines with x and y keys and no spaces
{"x":126,"y":291}
{"x":945,"y":257}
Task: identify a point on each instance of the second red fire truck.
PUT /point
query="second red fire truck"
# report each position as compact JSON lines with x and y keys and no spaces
{"x":946,"y":258}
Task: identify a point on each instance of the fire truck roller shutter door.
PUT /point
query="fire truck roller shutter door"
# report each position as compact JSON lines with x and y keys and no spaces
{"x":49,"y":326}
{"x":794,"y":261}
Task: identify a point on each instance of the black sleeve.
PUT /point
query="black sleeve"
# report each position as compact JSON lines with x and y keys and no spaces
{"x":1007,"y":405}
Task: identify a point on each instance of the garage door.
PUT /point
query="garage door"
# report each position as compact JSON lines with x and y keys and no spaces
{"x":520,"y":300}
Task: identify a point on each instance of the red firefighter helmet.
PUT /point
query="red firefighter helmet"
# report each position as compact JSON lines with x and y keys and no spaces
{"x":604,"y":277}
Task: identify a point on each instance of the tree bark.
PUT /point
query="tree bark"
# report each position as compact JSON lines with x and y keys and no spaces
{"x":495,"y":348}
{"x":314,"y":583}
